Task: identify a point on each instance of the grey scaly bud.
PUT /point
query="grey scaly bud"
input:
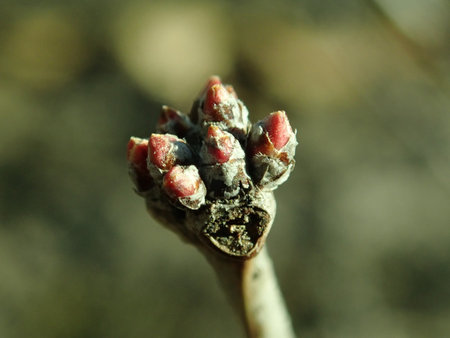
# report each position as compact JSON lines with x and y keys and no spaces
{"x":271,"y":149}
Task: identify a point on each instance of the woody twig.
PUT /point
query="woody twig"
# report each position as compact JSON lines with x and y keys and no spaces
{"x":209,"y":177}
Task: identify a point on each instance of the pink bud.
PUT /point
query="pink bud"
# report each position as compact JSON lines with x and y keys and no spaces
{"x":180,"y":183}
{"x":185,"y":186}
{"x":219,"y":105}
{"x":173,"y":121}
{"x":222,"y":163}
{"x":137,"y":151}
{"x":215,"y":96}
{"x":166,"y":150}
{"x":219,"y":145}
{"x":213,"y":80}
{"x":271,"y":147}
{"x":270,"y":135}
{"x":278,"y":128}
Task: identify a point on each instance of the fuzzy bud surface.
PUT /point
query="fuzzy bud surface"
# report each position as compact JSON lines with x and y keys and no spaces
{"x":185,"y":185}
{"x":166,"y":150}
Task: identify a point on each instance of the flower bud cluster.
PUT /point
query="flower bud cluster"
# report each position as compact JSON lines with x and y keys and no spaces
{"x":216,"y":162}
{"x":226,"y":155}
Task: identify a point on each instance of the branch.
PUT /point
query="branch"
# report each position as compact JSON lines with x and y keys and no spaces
{"x":253,"y":291}
{"x":209,"y":177}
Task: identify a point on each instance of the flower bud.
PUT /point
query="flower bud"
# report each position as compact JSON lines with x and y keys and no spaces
{"x":271,"y":147}
{"x":173,"y":121}
{"x":213,"y":80}
{"x":218,"y":146}
{"x":166,"y":150}
{"x":270,"y":135}
{"x":223,"y":162}
{"x":217,"y":104}
{"x":184,"y":186}
{"x":137,"y":152}
{"x":196,"y":109}
{"x":221,"y":106}
{"x":278,"y":129}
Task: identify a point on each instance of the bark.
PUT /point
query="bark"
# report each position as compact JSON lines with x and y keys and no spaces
{"x":252,"y":289}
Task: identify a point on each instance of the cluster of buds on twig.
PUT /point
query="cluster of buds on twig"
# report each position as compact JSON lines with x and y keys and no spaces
{"x":211,"y":174}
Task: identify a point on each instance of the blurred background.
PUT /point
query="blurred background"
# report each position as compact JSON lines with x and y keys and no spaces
{"x":361,"y":242}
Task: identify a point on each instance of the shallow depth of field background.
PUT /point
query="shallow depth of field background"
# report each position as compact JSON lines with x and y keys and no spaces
{"x":361,"y":242}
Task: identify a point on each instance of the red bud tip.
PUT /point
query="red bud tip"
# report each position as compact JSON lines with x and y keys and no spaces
{"x":219,"y":144}
{"x":270,"y":135}
{"x":160,"y":152}
{"x":167,"y":114}
{"x":213,"y":80}
{"x":214,"y":96}
{"x":173,"y":121}
{"x":181,"y":181}
{"x":278,"y":127}
{"x":137,"y":152}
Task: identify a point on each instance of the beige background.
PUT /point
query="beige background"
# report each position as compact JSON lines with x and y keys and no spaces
{"x":361,"y":240}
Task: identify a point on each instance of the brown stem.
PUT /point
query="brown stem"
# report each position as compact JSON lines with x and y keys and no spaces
{"x":252,"y":289}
